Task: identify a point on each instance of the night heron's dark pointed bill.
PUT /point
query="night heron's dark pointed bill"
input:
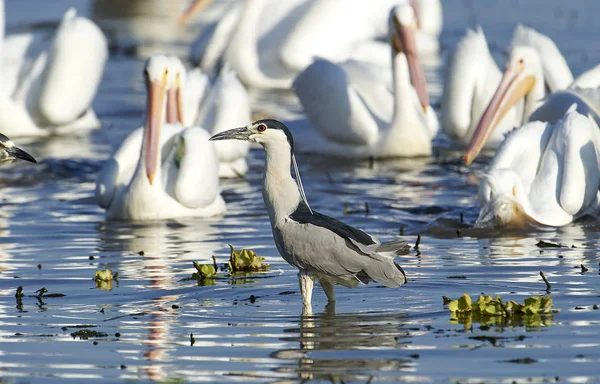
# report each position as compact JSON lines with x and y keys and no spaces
{"x":233,"y":134}
{"x":18,"y":153}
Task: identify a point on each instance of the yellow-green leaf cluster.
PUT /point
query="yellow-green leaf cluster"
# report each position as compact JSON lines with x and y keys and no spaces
{"x":246,"y":260}
{"x":104,"y":279}
{"x":205,"y":271}
{"x":489,"y":310}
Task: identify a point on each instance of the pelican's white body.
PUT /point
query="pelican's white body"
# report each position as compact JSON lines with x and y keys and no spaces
{"x":192,"y":189}
{"x":48,"y":84}
{"x":227,"y":105}
{"x":354,"y":114}
{"x":544,"y":173}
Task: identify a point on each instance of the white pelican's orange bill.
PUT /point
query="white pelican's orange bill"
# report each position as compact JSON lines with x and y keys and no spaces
{"x":174,"y":104}
{"x":405,"y":41}
{"x":156,"y":102}
{"x":513,"y":87}
{"x":195,"y":7}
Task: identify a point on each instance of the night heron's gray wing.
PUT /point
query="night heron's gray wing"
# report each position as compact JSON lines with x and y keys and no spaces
{"x":319,"y":243}
{"x":303,"y":215}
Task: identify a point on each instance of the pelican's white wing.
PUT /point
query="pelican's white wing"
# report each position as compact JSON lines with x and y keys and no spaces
{"x":345,"y":103}
{"x":317,"y":33}
{"x":470,"y":80}
{"x":556,"y":105}
{"x":75,"y":69}
{"x":190,"y":166}
{"x":228,"y":106}
{"x":588,"y":79}
{"x":194,"y":92}
{"x":119,"y":169}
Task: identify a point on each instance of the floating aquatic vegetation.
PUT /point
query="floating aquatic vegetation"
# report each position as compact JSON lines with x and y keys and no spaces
{"x":85,"y":334}
{"x":104,"y":279}
{"x":243,"y":261}
{"x":205,"y":271}
{"x":246,"y":260}
{"x":535,"y":311}
{"x":547,"y":244}
{"x":43,"y":292}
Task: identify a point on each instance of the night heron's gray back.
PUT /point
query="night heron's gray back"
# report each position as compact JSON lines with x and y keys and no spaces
{"x":329,"y":248}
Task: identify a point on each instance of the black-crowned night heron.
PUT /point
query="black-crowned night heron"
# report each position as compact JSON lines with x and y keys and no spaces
{"x":321,"y":247}
{"x":9,"y":152}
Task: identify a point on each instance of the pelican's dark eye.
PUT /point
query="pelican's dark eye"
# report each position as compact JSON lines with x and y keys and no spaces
{"x":261,"y":128}
{"x":521,"y":61}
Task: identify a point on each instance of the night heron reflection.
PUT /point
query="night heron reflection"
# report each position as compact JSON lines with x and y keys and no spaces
{"x":322,"y":248}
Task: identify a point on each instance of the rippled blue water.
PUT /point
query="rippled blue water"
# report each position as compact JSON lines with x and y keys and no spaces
{"x":249,"y":328}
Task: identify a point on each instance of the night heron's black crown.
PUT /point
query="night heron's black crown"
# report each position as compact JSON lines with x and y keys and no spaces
{"x":276,"y":124}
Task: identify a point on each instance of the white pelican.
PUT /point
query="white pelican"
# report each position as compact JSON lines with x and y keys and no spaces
{"x":472,"y":77}
{"x":48,"y":89}
{"x":9,"y":152}
{"x":523,"y":80}
{"x":258,"y":36}
{"x":543,"y":174}
{"x":354,"y":113}
{"x":249,"y":42}
{"x":215,"y":108}
{"x":226,"y":105}
{"x":174,"y":174}
{"x":317,"y":33}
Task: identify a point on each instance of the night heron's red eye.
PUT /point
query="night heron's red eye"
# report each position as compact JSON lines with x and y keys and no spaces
{"x":261,"y":128}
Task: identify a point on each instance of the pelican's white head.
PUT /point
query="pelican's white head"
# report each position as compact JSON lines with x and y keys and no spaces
{"x":522,"y":74}
{"x":503,"y":201}
{"x":402,"y":27}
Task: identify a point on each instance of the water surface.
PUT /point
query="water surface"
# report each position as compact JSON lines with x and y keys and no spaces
{"x":250,"y":328}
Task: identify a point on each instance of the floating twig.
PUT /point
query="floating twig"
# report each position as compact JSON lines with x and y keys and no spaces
{"x":418,"y":242}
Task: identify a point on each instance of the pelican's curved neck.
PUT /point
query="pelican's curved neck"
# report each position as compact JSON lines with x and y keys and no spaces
{"x":245,"y":38}
{"x":280,"y":190}
{"x":535,"y":98}
{"x":402,"y":87}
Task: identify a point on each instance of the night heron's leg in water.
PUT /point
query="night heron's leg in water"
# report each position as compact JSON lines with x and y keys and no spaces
{"x":328,"y":288}
{"x":306,"y":287}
